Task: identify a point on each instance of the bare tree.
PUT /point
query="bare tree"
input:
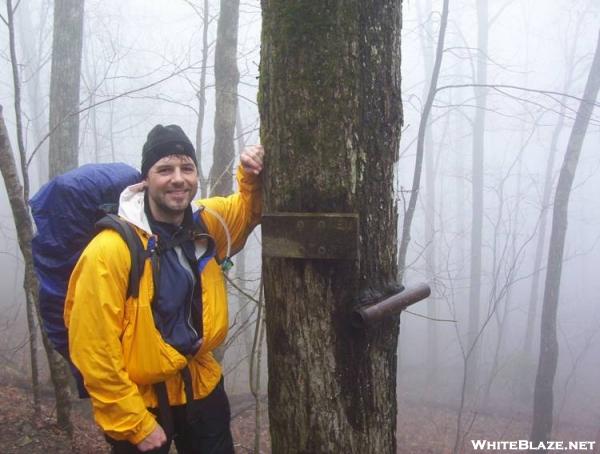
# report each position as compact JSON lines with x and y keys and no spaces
{"x":330,"y":107}
{"x":543,"y":405}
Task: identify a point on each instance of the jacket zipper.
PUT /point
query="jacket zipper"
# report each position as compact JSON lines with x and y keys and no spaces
{"x":184,"y":263}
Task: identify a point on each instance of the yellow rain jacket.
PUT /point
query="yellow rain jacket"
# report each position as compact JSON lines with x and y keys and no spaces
{"x":114,"y":343}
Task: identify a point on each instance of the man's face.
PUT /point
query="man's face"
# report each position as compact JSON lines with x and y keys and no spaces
{"x":171,"y":184}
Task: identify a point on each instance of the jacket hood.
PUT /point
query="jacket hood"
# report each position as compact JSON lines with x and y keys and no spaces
{"x":131,"y":207}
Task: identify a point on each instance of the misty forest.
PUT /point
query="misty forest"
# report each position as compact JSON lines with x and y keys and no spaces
{"x":439,"y":156}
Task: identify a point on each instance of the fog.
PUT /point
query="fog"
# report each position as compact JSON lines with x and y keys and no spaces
{"x":141,"y":66}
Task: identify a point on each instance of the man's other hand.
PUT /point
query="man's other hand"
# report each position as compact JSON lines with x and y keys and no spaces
{"x":155,"y":440}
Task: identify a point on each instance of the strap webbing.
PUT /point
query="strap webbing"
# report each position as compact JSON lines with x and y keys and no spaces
{"x":136,"y":249}
{"x":189,"y":391}
{"x":165,"y":415}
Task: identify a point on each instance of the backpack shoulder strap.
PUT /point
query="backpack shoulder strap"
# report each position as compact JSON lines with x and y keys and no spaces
{"x":135,"y":246}
{"x":199,"y":225}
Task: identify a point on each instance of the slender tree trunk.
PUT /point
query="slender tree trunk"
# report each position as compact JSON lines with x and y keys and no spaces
{"x":477,"y":184}
{"x":254,"y":367}
{"x":414,"y":193}
{"x":58,"y":370}
{"x":240,"y":258}
{"x":525,"y":379}
{"x":67,"y":44}
{"x":22,"y":191}
{"x":331,"y":111}
{"x":423,"y":136}
{"x":430,"y":201}
{"x":227,"y":77}
{"x":543,"y":404}
{"x":202,"y":100}
{"x":95,"y":132}
{"x":111,"y":125}
{"x":541,"y":240}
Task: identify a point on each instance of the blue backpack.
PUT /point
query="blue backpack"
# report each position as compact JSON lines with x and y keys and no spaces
{"x":68,"y":212}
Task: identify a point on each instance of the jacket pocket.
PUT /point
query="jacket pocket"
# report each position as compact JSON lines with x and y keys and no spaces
{"x":148,"y":358}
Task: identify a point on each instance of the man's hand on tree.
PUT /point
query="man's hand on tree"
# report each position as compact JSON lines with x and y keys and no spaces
{"x":252,"y":159}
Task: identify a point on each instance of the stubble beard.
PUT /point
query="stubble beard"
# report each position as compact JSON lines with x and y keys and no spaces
{"x":170,"y":209}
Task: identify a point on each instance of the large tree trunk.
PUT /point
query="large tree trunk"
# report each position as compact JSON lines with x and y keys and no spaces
{"x":330,"y":121}
{"x":67,"y":44}
{"x":543,"y":404}
{"x":227,"y":77}
{"x":477,"y":211}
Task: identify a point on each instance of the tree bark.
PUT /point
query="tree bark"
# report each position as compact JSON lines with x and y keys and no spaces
{"x":543,"y":404}
{"x":227,"y":77}
{"x":330,"y":110}
{"x":67,"y":44}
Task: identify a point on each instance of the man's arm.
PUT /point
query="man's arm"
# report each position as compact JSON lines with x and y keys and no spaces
{"x":242,"y":210}
{"x":94,"y":316}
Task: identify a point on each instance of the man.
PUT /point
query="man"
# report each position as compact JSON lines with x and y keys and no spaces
{"x":150,"y":356}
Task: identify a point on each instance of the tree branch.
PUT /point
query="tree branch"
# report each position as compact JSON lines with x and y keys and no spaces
{"x":104,"y":101}
{"x":499,"y":87}
{"x":430,"y":318}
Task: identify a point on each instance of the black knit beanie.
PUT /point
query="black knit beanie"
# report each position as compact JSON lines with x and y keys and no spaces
{"x":165,"y":141}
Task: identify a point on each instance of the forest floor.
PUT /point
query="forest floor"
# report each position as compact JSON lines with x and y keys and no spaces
{"x":22,"y":433}
{"x":422,"y":428}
